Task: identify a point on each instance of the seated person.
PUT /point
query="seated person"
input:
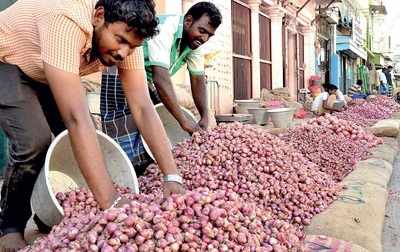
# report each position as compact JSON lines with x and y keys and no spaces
{"x":356,"y":90}
{"x":317,"y":105}
{"x":329,"y":101}
{"x":335,"y":101}
{"x":339,"y":95}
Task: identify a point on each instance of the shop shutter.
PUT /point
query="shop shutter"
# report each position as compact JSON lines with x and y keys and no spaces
{"x":241,"y":35}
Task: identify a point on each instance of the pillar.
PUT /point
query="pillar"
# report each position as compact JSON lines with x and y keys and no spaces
{"x":255,"y":47}
{"x":276,"y":16}
{"x":172,"y":7}
{"x":334,"y":66}
{"x":309,"y":51}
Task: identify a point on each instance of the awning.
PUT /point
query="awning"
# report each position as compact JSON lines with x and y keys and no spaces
{"x":346,"y":45}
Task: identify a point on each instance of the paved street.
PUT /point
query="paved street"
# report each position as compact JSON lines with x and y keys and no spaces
{"x":391,"y":232}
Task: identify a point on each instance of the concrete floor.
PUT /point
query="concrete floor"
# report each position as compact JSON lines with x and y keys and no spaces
{"x":391,"y":231}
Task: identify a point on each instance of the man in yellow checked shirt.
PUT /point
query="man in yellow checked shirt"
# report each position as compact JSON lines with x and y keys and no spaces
{"x":45,"y":46}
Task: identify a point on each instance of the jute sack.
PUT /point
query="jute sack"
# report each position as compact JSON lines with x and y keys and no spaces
{"x":374,"y":171}
{"x":386,"y":151}
{"x":388,"y":128}
{"x":396,"y":115}
{"x":276,"y":131}
{"x":295,"y":105}
{"x":357,"y":216}
{"x":318,"y":243}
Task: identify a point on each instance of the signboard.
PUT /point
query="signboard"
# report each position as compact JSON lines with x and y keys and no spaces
{"x":357,"y":34}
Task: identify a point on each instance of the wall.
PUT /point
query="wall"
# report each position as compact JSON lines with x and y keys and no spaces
{"x":300,"y":23}
{"x":221,"y":68}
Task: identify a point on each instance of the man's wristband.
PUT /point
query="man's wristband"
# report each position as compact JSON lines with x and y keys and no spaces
{"x":173,"y":178}
{"x":115,"y":203}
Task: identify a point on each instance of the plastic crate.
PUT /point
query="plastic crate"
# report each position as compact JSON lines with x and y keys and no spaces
{"x":358,"y":96}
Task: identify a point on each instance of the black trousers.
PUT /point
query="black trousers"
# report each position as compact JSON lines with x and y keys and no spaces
{"x":28,"y":116}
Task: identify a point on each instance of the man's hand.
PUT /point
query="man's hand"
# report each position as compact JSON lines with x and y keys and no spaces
{"x":173,"y":188}
{"x":203,"y":123}
{"x":189,"y":126}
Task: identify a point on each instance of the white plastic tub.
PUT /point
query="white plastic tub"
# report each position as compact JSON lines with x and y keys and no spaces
{"x":61,"y":173}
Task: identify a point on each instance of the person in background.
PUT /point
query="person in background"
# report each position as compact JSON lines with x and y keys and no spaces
{"x":45,"y":46}
{"x":324,"y":102}
{"x":318,"y":99}
{"x":339,"y":94}
{"x":178,"y":43}
{"x":388,"y":74}
{"x":335,"y":101}
{"x":383,"y":85}
{"x":356,"y":89}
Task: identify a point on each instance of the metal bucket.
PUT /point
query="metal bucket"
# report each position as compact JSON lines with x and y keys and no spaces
{"x":260,"y":115}
{"x":242,"y":106}
{"x":174,"y":131}
{"x":281,"y":117}
{"x":61,"y":173}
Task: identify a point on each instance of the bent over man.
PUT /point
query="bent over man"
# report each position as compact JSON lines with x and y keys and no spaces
{"x":45,"y":46}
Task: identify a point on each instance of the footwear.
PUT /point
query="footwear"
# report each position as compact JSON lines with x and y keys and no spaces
{"x":12,"y":242}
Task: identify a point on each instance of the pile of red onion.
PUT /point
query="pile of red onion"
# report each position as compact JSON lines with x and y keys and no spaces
{"x":386,"y":102}
{"x":247,"y":191}
{"x":197,"y":221}
{"x":258,"y":166}
{"x":333,"y":144}
{"x":369,"y":112}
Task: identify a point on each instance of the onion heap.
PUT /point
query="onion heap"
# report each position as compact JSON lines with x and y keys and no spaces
{"x":369,"y":112}
{"x":333,"y":144}
{"x":258,"y":166}
{"x":197,"y":221}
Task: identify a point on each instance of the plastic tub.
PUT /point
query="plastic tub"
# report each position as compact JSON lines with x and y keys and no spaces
{"x":174,"y":131}
{"x":281,"y":117}
{"x":242,"y":106}
{"x":260,"y":115}
{"x":230,"y":118}
{"x":61,"y":173}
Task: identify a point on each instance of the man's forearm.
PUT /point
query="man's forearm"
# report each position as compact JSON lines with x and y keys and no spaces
{"x":199,"y":93}
{"x":88,"y":154}
{"x":72,"y":104}
{"x":165,"y":90}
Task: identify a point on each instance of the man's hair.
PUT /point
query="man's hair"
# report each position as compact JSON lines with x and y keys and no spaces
{"x":390,"y":67}
{"x":137,"y":14}
{"x":359,"y":82}
{"x":205,"y":8}
{"x":330,"y":87}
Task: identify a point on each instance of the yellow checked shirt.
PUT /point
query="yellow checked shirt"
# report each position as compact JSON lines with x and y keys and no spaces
{"x":58,"y":32}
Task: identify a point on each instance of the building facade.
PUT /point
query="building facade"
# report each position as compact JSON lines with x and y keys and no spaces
{"x":260,"y":44}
